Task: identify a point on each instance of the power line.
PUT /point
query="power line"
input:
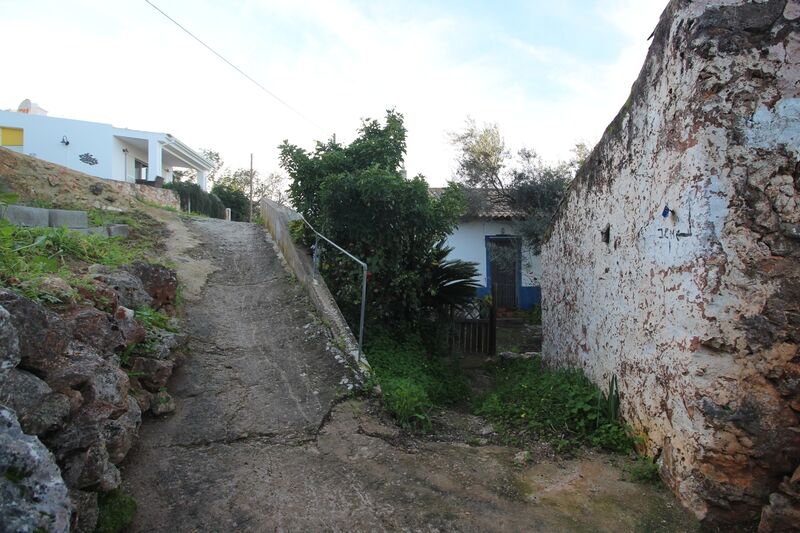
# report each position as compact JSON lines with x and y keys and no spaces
{"x":237,"y":69}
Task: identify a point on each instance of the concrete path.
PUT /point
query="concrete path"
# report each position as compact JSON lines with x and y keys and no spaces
{"x":262,"y":440}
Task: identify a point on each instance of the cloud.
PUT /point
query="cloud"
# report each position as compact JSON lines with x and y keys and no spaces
{"x":335,"y":60}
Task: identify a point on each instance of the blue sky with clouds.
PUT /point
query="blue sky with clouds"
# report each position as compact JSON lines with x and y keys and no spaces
{"x":549,"y":73}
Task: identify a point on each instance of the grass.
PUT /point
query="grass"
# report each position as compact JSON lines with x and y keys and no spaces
{"x":152,"y":319}
{"x":116,"y":510}
{"x":642,"y":470}
{"x":562,"y":406}
{"x":412,"y":380}
{"x":29,"y":254}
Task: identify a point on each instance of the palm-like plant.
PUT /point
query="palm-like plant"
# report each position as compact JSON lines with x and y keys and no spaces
{"x":449,"y":282}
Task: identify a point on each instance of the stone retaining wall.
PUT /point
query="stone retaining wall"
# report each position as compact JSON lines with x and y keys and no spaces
{"x":674,"y":262}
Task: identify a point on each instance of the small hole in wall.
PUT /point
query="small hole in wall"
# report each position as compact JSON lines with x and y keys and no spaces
{"x":605,"y":234}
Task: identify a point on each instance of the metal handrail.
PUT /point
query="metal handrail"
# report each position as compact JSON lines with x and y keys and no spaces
{"x":363,"y":280}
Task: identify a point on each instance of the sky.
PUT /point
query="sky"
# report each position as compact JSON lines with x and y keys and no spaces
{"x":549,"y":73}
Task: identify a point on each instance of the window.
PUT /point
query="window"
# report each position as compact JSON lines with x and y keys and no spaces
{"x":10,"y":137}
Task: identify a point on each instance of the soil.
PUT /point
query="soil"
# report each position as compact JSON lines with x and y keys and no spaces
{"x":266,"y":437}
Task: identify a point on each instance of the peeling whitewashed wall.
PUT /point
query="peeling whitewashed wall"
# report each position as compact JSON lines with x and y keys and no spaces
{"x":697,"y":312}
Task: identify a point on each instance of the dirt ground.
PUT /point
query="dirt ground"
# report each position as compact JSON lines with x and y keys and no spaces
{"x":266,"y":438}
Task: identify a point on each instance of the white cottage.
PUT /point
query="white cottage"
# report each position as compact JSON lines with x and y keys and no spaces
{"x":99,"y":149}
{"x":488,"y":231}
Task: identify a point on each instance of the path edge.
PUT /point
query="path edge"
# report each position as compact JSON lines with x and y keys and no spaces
{"x":276,"y":219}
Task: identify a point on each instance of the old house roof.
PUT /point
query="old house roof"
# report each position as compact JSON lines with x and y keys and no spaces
{"x":485,"y":204}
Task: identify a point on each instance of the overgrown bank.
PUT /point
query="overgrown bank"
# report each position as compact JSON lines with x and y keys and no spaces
{"x":86,"y":341}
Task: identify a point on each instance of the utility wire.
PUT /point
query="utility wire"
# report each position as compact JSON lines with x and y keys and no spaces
{"x":237,"y":69}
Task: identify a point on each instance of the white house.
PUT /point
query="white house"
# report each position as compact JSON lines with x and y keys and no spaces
{"x":98,"y":149}
{"x":487,"y":235}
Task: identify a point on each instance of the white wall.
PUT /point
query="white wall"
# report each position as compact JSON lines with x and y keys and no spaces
{"x":118,"y":158}
{"x":42,"y":138}
{"x":469,"y":244}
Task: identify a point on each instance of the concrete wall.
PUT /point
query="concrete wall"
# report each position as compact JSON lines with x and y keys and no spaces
{"x":696,"y":312}
{"x":277,"y":218}
{"x":469,"y":244}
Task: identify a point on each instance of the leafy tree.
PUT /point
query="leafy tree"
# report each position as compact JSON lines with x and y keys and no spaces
{"x":233,"y":199}
{"x":357,"y":195}
{"x":524,"y":183}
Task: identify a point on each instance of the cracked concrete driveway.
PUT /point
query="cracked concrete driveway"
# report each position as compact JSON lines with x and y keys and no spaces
{"x":262,"y":440}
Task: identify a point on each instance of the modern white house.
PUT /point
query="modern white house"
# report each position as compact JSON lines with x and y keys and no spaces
{"x":487,"y":235}
{"x":98,"y":149}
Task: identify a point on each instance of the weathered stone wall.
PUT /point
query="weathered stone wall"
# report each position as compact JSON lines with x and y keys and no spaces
{"x":695,"y":307}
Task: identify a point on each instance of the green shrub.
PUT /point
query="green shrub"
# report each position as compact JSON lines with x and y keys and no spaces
{"x":562,"y":406}
{"x":412,"y":380}
{"x":192,"y":196}
{"x":235,"y":200}
{"x":642,"y":470}
{"x":407,"y":401}
{"x":116,"y":510}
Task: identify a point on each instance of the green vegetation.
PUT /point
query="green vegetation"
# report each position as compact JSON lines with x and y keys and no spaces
{"x":642,"y":470}
{"x":411,"y":379}
{"x":235,"y":199}
{"x":116,"y":511}
{"x":150,"y":319}
{"x":29,"y":254}
{"x":192,"y":196}
{"x":562,"y":406}
{"x":358,"y":196}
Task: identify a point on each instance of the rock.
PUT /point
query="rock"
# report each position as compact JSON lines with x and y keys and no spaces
{"x":96,"y":189}
{"x":101,"y":295}
{"x":142,"y":396}
{"x":129,"y":289}
{"x":84,"y":511}
{"x":132,"y":331}
{"x":159,"y":281}
{"x":33,"y":496}
{"x":782,"y":514}
{"x":153,"y":374}
{"x":91,"y":468}
{"x":38,"y":408}
{"x":95,"y":328}
{"x":120,"y":434}
{"x":57,"y":287}
{"x":9,"y":342}
{"x":486,"y":430}
{"x":103,"y":385}
{"x":161,"y":343}
{"x":522,"y":458}
{"x":162,"y":404}
{"x":43,"y":335}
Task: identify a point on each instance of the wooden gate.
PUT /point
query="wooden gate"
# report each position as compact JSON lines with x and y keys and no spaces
{"x":473,"y":330}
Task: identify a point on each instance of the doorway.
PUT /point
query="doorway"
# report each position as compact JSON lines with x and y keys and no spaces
{"x":503,"y":253}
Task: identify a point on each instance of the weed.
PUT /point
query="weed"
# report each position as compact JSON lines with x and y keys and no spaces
{"x":411,"y":379}
{"x":28,"y":254}
{"x":562,"y":406}
{"x":116,"y":510}
{"x":151,"y":319}
{"x":642,"y":470}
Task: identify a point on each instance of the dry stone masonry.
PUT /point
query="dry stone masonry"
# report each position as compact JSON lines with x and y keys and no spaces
{"x":69,"y":411}
{"x":673,"y":262}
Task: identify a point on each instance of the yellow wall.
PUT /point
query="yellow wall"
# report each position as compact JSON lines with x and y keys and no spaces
{"x":11,"y":137}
